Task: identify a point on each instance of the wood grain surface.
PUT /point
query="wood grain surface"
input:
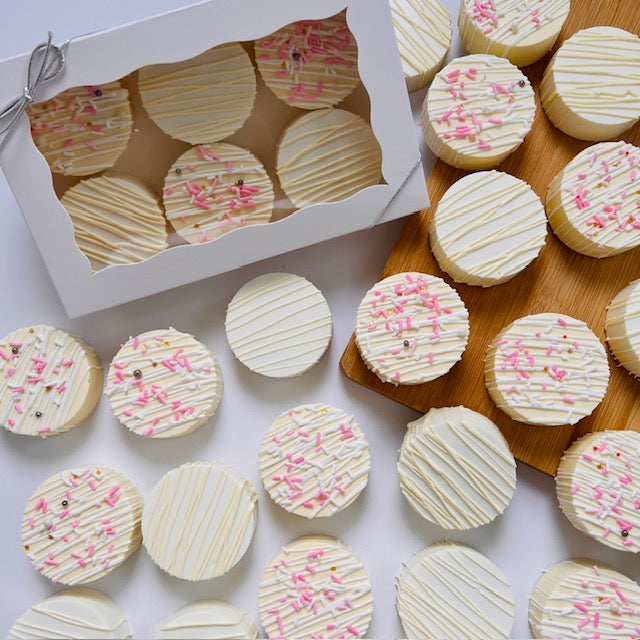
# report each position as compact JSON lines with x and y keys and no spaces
{"x":559,"y":281}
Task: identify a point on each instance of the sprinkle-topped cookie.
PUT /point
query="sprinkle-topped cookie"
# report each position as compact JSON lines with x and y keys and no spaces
{"x":81,"y":524}
{"x":451,"y":591}
{"x":82,"y":130}
{"x":411,"y":328}
{"x":520,"y":30}
{"x":327,"y":155}
{"x":591,"y":88}
{"x":51,"y":381}
{"x":478,"y":110}
{"x":199,"y":520}
{"x":593,"y":204}
{"x":423,"y":32}
{"x":597,"y":486}
{"x":579,"y":600}
{"x":547,"y":369}
{"x":163,"y":384}
{"x":315,"y":588}
{"x":314,"y":460}
{"x":310,"y":64}
{"x":212,"y":189}
{"x":201,"y":100}
{"x":622,"y":327}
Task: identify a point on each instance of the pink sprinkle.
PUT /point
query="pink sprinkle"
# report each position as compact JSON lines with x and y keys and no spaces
{"x":335,"y":578}
{"x":587,"y":457}
{"x":68,"y":143}
{"x":353,"y":630}
{"x":308,"y":505}
{"x":584,"y":622}
{"x":562,"y":322}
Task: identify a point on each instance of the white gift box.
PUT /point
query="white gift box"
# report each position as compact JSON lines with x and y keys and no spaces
{"x":113,"y":54}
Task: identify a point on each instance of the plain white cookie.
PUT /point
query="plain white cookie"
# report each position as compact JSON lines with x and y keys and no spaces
{"x":622,"y":326}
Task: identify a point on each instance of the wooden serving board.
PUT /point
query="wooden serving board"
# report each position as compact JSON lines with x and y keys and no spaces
{"x":559,"y":281}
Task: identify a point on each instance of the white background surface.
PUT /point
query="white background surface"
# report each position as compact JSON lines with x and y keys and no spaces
{"x":379,"y":526}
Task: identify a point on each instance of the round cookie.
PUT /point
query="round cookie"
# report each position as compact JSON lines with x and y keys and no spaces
{"x":622,"y":326}
{"x":518,"y":30}
{"x":315,"y":586}
{"x":487,"y":227}
{"x":72,"y":613}
{"x":451,"y":591}
{"x":212,"y":189}
{"x":82,"y":523}
{"x":423,"y":32}
{"x":82,"y":130}
{"x":593,"y":204}
{"x":591,"y":88}
{"x":314,"y":460}
{"x":411,"y":328}
{"x":208,"y":619}
{"x":204,"y":99}
{"x":164,"y":384}
{"x":211,"y":509}
{"x":456,"y":469}
{"x":116,"y":220}
{"x":278,"y":325}
{"x":327,"y":155}
{"x":577,"y":599}
{"x":546,"y":369}
{"x":477,"y":111}
{"x":51,"y":381}
{"x":310,"y":64}
{"x":597,"y":487}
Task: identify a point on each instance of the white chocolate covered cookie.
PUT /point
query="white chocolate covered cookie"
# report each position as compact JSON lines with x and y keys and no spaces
{"x":212,"y":189}
{"x":315,"y":586}
{"x":204,"y":99}
{"x":411,"y":328}
{"x":478,"y":110}
{"x":622,"y":327}
{"x":199,"y":520}
{"x":591,"y":88}
{"x":116,"y":220}
{"x":51,"y":381}
{"x":593,"y":204}
{"x":163,"y":384}
{"x":546,"y":369}
{"x":80,"y":524}
{"x":82,"y":130}
{"x":314,"y":460}
{"x":310,"y":64}
{"x":487,"y":227}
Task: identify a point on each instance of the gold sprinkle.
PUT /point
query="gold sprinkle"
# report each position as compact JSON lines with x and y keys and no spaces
{"x":166,"y":343}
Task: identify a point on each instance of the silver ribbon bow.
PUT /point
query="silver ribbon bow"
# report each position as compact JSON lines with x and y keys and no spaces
{"x":45,"y":64}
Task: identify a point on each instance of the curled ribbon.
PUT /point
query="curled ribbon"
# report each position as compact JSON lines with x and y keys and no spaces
{"x":45,"y":64}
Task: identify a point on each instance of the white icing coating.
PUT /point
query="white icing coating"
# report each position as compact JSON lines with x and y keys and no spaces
{"x":520,"y":30}
{"x":622,"y":327}
{"x":315,"y":587}
{"x":546,"y":369}
{"x":411,"y":328}
{"x":478,"y":110}
{"x":82,"y":523}
{"x":82,"y":130}
{"x":310,"y":64}
{"x":116,"y":220}
{"x":593,"y":204}
{"x":327,"y":155}
{"x":212,"y":189}
{"x":314,"y":460}
{"x":579,"y":600}
{"x":72,"y":613}
{"x":487,"y":228}
{"x":204,"y":99}
{"x":456,"y":469}
{"x":199,"y":520}
{"x":452,"y":591}
{"x":423,"y":32}
{"x":597,"y":486}
{"x":163,"y":384}
{"x":208,"y":620}
{"x":51,"y":381}
{"x":278,"y":325}
{"x":591,"y":88}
